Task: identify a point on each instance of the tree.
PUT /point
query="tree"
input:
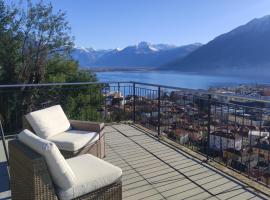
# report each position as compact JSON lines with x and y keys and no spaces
{"x":59,"y":70}
{"x":79,"y":102}
{"x":9,"y":44}
{"x":35,"y":46}
{"x":29,"y":39}
{"x":45,"y":35}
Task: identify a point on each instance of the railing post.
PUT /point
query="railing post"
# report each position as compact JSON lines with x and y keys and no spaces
{"x":158,"y":110}
{"x":4,"y":142}
{"x":118,"y":87}
{"x":208,"y":126}
{"x":118,"y":90}
{"x":134,"y":116}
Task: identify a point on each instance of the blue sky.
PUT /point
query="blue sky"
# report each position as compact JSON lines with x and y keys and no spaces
{"x":118,"y":23}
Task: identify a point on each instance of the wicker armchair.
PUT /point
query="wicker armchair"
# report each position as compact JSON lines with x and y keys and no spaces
{"x":30,"y":178}
{"x":96,"y":147}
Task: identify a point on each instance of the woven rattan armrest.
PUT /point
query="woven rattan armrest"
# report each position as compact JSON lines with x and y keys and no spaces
{"x":86,"y":125}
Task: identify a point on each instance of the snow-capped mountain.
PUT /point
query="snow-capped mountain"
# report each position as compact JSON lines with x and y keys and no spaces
{"x":242,"y":51}
{"x":87,"y":56}
{"x":164,"y":46}
{"x":141,"y":55}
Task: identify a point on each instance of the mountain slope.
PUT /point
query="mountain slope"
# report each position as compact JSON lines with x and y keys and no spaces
{"x":142,"y":55}
{"x":87,"y":56}
{"x":244,"y":50}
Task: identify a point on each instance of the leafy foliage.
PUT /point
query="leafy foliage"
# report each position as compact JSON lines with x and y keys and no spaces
{"x":45,"y":34}
{"x":9,"y":44}
{"x":35,"y":47}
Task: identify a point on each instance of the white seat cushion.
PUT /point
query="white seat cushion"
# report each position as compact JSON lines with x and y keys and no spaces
{"x":91,"y":174}
{"x":74,"y":140}
{"x":60,"y":171}
{"x":49,"y":121}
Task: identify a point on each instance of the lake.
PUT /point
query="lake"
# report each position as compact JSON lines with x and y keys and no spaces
{"x":192,"y":81}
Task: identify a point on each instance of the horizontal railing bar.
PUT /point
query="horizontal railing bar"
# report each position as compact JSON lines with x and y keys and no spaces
{"x":200,"y":91}
{"x":165,"y":86}
{"x":59,"y":84}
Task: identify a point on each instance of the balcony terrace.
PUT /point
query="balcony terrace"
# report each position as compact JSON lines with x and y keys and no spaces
{"x":147,"y":148}
{"x":153,"y":169}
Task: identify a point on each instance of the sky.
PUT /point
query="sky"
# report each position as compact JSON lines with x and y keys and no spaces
{"x":104,"y":24}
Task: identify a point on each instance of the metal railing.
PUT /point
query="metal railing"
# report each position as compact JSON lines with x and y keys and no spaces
{"x":231,"y":130}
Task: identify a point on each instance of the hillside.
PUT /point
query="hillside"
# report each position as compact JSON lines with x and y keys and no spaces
{"x":244,"y":50}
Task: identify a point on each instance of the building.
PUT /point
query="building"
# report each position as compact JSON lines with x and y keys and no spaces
{"x":243,"y":158}
{"x":254,"y":136}
{"x":182,"y":136}
{"x":262,"y":148}
{"x":221,"y":140}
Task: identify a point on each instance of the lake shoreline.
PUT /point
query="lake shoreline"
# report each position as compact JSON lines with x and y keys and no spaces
{"x":119,"y":69}
{"x":157,"y":70}
{"x":184,"y":80}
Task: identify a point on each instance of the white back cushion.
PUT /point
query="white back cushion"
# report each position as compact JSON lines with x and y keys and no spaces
{"x":60,"y":171}
{"x":49,"y":121}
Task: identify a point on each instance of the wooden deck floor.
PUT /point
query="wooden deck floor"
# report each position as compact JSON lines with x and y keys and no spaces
{"x":152,"y":170}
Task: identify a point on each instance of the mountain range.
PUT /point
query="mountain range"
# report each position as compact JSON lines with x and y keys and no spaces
{"x":141,"y":55}
{"x":244,"y":50}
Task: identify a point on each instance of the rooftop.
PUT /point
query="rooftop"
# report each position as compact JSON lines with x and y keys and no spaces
{"x":152,"y":169}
